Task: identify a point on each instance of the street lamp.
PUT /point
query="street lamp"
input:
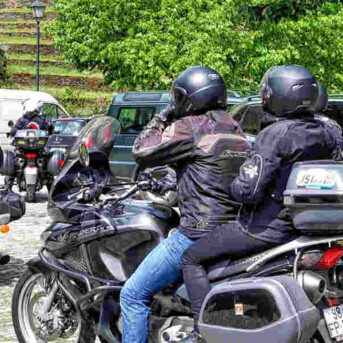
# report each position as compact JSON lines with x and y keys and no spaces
{"x":38,"y":9}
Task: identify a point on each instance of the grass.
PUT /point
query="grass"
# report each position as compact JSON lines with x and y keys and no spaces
{"x":23,"y":40}
{"x":48,"y":9}
{"x":16,"y":22}
{"x":50,"y":58}
{"x":17,"y":32}
{"x":53,"y":71}
{"x":68,"y":92}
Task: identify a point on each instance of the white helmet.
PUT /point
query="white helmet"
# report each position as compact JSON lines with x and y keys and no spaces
{"x":31,"y":106}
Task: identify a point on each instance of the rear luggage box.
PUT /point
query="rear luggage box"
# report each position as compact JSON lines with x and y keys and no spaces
{"x":268,"y":310}
{"x":314,"y":195}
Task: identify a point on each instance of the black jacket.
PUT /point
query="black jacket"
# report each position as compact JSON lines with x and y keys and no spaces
{"x":206,"y":152}
{"x":22,"y":122}
{"x":262,"y":179}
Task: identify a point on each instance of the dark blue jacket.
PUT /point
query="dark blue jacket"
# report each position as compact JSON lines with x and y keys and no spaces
{"x":206,"y":151}
{"x":262,"y":179}
{"x":43,"y":123}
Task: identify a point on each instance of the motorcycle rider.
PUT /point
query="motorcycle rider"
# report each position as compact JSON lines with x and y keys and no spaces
{"x":207,"y":147}
{"x":31,"y":113}
{"x":321,"y":107}
{"x":290,"y":93}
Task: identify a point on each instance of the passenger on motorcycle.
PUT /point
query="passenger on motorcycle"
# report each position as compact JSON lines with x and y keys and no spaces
{"x":206,"y":147}
{"x":31,"y":113}
{"x":290,"y":93}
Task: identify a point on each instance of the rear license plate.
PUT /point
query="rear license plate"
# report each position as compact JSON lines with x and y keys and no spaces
{"x":334,"y":320}
{"x":316,"y":178}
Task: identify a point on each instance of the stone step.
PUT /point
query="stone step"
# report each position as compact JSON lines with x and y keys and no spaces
{"x":23,"y":34}
{"x":13,"y":4}
{"x":19,"y":25}
{"x":42,"y":63}
{"x":80,"y":82}
{"x":29,"y":48}
{"x":14,"y":16}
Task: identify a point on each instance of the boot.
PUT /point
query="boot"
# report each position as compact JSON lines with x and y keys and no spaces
{"x":194,"y":337}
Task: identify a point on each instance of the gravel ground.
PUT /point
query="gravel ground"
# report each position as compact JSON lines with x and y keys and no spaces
{"x":21,"y":243}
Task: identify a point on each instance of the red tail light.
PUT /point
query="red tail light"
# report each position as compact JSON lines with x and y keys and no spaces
{"x":89,"y":141}
{"x":330,"y":258}
{"x":333,"y":301}
{"x":33,"y":126}
{"x":60,"y":163}
{"x":31,"y":155}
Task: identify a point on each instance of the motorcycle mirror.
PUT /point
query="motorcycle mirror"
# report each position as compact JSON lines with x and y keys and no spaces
{"x":10,"y":123}
{"x":83,"y":155}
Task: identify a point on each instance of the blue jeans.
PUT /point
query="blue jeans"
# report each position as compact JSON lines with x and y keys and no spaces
{"x":160,"y":268}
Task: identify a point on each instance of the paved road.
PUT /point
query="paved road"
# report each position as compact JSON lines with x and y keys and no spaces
{"x":22,"y":243}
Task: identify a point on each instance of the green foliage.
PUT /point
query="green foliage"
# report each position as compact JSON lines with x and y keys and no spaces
{"x":142,"y":44}
{"x":3,"y":68}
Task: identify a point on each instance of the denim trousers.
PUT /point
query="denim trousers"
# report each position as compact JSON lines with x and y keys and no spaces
{"x":160,"y":268}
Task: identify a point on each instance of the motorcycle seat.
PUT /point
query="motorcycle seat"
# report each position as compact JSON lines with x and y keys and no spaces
{"x":226,"y":268}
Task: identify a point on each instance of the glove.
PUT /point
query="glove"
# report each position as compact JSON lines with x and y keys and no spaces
{"x":167,"y":183}
{"x":92,"y":193}
{"x":162,"y":117}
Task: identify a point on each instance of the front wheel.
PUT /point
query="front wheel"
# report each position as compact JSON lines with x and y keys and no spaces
{"x":60,"y":324}
{"x":30,"y":193}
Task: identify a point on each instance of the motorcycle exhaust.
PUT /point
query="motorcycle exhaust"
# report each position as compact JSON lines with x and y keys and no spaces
{"x":313,"y":285}
{"x":4,"y":259}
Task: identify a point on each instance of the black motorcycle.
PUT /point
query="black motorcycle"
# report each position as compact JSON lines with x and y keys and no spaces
{"x":30,"y":165}
{"x":291,"y":293}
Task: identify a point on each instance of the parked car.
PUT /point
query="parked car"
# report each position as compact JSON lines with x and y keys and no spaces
{"x":65,"y":133}
{"x":249,"y":113}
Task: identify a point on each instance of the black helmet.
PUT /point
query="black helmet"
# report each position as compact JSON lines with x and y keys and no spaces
{"x":288,"y":90}
{"x":322,"y":101}
{"x":197,"y":90}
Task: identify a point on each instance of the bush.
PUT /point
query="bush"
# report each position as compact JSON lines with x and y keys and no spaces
{"x":142,"y":44}
{"x":3,"y":68}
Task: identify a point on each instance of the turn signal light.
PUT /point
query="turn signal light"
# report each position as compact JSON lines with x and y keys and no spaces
{"x":5,"y":228}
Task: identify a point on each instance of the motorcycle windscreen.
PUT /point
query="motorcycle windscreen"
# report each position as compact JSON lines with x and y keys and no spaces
{"x":99,"y":136}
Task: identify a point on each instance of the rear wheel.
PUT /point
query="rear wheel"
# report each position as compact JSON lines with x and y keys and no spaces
{"x":30,"y":193}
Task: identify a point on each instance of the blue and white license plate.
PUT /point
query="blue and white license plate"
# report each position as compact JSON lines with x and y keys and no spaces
{"x":334,"y":320}
{"x":316,"y":178}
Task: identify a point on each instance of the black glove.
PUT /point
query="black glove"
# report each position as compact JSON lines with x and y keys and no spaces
{"x":167,"y":183}
{"x":165,"y":116}
{"x":92,"y":193}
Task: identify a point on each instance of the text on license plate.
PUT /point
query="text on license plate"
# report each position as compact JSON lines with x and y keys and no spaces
{"x":316,"y":178}
{"x":334,"y":320}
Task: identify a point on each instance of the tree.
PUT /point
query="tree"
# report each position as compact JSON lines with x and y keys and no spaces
{"x":144,"y":44}
{"x":3,"y":68}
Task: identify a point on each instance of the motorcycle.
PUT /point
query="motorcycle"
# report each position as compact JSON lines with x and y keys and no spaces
{"x":291,"y":293}
{"x":30,"y":165}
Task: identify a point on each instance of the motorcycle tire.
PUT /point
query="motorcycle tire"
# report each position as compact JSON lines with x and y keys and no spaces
{"x":24,"y":313}
{"x":30,"y":193}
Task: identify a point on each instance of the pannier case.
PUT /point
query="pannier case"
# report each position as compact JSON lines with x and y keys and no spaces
{"x":272,"y":309}
{"x":314,"y":196}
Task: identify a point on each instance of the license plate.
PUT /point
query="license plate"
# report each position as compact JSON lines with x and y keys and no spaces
{"x":30,"y":171}
{"x":58,"y":149}
{"x":334,"y":320}
{"x":316,"y":178}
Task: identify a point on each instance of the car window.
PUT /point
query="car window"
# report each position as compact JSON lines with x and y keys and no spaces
{"x":49,"y":111}
{"x":249,"y":117}
{"x":60,"y":112}
{"x":133,"y":119}
{"x":335,"y":111}
{"x":68,"y":127}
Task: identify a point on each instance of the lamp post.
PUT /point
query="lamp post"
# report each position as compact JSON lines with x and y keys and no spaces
{"x":38,"y":9}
